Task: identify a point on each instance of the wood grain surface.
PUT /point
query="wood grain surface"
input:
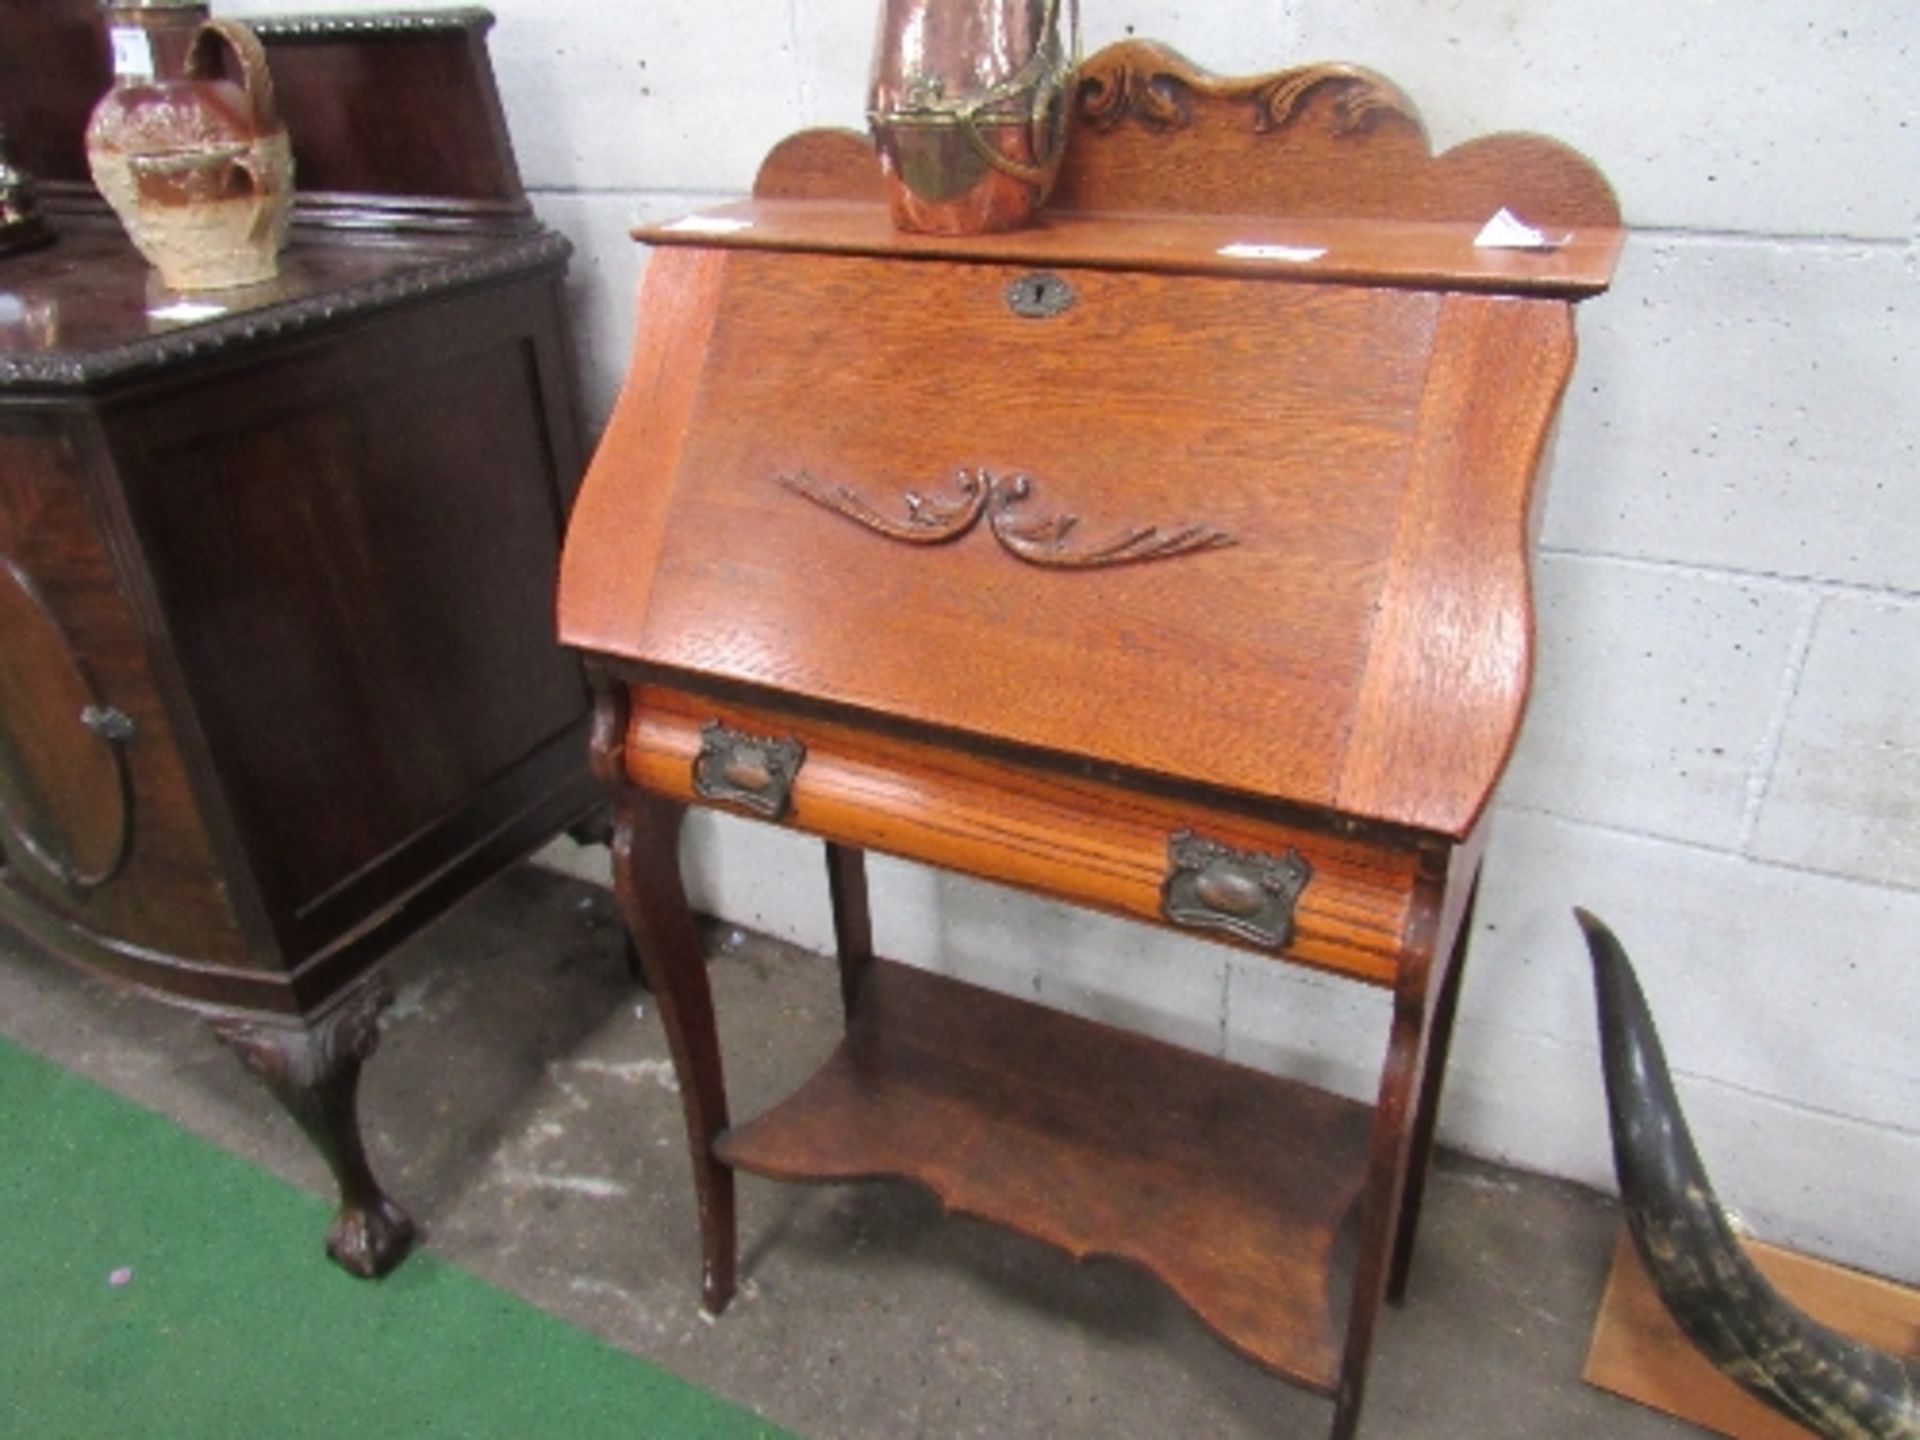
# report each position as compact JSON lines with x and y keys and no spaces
{"x":1326,"y":249}
{"x":1091,"y":841}
{"x":1640,"y":1353}
{"x":1228,"y":1184}
{"x":1046,"y":546}
{"x":1321,"y":141}
{"x":164,"y":894}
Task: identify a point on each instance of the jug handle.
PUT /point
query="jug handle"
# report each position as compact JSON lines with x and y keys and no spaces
{"x":263,"y":197}
{"x":255,"y":79}
{"x":1045,"y":83}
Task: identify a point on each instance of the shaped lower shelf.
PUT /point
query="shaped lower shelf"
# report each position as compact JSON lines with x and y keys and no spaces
{"x":1228,"y":1184}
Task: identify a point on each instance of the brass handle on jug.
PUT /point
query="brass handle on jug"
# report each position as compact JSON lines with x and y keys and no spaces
{"x":1040,"y":75}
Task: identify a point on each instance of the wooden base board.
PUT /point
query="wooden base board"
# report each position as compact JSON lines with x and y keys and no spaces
{"x":1638,"y":1351}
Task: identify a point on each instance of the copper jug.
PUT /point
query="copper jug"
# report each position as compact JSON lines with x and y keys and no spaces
{"x":197,"y":166}
{"x":968,"y":106}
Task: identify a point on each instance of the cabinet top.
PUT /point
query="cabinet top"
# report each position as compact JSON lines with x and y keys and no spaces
{"x":407,"y":189}
{"x":87,"y":311}
{"x":1416,"y":254}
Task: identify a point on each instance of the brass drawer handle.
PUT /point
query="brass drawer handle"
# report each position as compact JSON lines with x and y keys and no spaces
{"x":756,"y":772}
{"x":1210,"y":886}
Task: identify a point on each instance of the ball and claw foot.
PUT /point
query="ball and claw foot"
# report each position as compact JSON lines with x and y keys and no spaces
{"x":313,"y":1069}
{"x":369,"y":1240}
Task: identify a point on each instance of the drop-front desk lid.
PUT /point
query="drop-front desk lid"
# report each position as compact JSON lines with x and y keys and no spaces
{"x":1095,"y":490}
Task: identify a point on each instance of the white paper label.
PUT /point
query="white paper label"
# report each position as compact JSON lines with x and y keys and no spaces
{"x":1293,"y":254}
{"x":708,"y":225}
{"x":1507,"y":231}
{"x":132,"y":53}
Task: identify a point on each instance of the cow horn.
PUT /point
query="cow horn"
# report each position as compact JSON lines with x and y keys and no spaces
{"x":1834,"y":1386}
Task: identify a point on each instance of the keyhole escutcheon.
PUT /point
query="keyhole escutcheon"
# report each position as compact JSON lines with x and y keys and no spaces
{"x":1039,"y":296}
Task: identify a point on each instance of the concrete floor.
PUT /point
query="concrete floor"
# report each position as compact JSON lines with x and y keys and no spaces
{"x":523,"y":1108}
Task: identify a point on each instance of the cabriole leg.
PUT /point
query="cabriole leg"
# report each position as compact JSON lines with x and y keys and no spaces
{"x":1420,"y":1160}
{"x":313,"y":1069}
{"x":852,"y":919}
{"x":646,"y":873}
{"x":1393,"y":1124}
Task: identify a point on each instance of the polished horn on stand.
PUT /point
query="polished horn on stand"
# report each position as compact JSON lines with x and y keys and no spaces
{"x":1834,"y":1386}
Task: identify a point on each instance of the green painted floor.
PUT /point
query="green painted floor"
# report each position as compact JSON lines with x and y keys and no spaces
{"x":153,"y":1285}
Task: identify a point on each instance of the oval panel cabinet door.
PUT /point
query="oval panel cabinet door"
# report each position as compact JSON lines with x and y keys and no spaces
{"x":63,"y":781}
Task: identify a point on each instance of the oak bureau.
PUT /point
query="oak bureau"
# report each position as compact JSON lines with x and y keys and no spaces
{"x":1169,"y":558}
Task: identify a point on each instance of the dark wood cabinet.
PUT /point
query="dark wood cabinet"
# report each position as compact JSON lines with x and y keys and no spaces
{"x":278,"y":680}
{"x":1169,"y":558}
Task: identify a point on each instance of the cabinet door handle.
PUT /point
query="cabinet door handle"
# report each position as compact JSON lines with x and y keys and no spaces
{"x":1210,"y":886}
{"x":109,"y":722}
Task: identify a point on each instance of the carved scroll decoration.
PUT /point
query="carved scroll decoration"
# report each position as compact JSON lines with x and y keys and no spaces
{"x":1156,"y":87}
{"x":1046,"y":542}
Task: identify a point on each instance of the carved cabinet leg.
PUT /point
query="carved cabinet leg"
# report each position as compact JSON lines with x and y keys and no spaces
{"x":314,"y":1071}
{"x":646,"y":873}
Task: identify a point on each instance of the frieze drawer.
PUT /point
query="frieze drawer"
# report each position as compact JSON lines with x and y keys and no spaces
{"x":1123,"y":849}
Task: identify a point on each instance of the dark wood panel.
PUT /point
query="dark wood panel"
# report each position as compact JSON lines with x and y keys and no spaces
{"x":401,"y":106}
{"x":63,"y":786}
{"x":359,"y":559}
{"x":165,"y":893}
{"x":1227,"y":1183}
{"x":389,"y":106}
{"x":53,"y":67}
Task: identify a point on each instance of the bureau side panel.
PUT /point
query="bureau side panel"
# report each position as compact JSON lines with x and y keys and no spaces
{"x":1450,"y":662}
{"x":619,"y":523}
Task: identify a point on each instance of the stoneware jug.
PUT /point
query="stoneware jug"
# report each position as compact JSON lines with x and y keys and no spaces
{"x":197,"y":166}
{"x":968,"y":106}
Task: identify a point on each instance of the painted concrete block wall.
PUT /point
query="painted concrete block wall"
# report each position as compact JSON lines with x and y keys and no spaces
{"x":1723,"y":756}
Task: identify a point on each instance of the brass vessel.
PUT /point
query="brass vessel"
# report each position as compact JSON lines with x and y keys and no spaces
{"x":968,"y":106}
